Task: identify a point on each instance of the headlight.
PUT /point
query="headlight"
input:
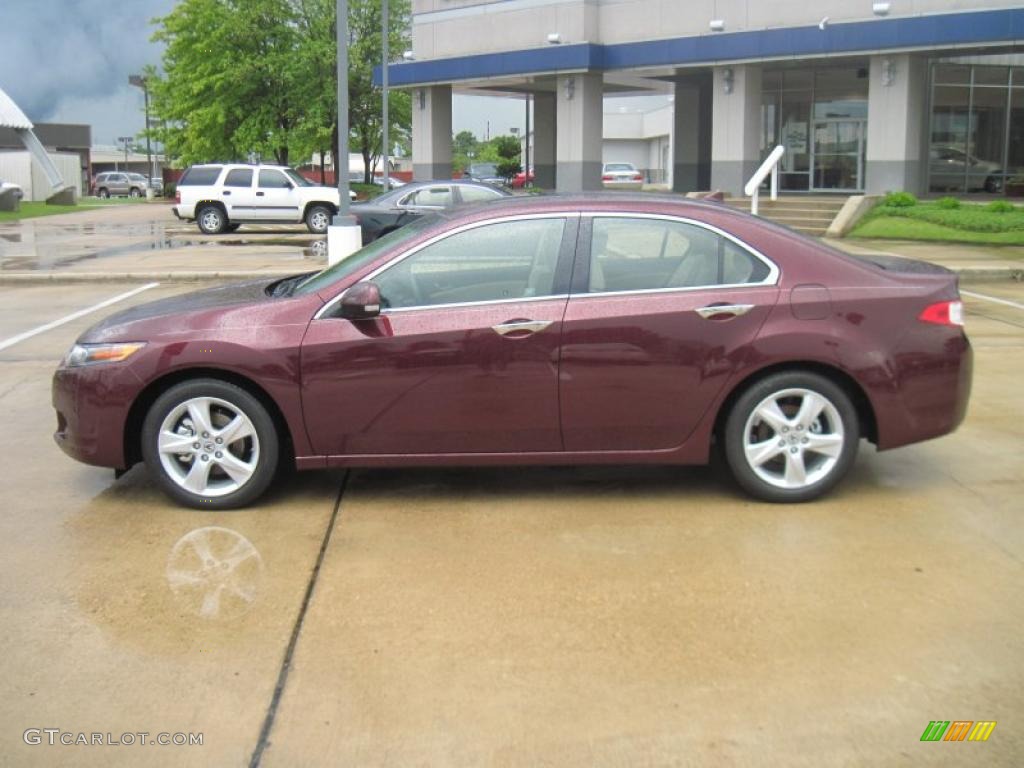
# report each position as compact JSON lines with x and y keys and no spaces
{"x":88,"y":354}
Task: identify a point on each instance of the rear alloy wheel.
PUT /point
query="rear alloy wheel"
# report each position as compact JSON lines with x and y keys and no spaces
{"x":211,"y":220}
{"x":318,"y":218}
{"x":135,"y":192}
{"x":104,"y":193}
{"x":791,"y":437}
{"x":210,"y":444}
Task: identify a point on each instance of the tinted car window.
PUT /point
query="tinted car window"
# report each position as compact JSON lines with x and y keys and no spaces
{"x":478,"y":264}
{"x":199,"y":177}
{"x":476,"y":194}
{"x":239,"y":177}
{"x":644,"y":254}
{"x":435,"y":196}
{"x":619,"y":167}
{"x":273,"y":179}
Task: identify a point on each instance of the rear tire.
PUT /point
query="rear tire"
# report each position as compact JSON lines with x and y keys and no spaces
{"x":318,"y":218}
{"x":104,"y":193}
{"x":791,"y":437}
{"x":211,"y":220}
{"x":135,"y":192}
{"x":238,"y":445}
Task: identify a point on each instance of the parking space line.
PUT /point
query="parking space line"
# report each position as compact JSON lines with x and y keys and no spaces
{"x":982,"y":296}
{"x":73,"y":316}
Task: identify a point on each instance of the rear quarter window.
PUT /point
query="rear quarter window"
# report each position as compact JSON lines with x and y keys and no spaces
{"x":199,"y":177}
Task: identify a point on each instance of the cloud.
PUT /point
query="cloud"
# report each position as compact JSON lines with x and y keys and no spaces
{"x":69,"y":60}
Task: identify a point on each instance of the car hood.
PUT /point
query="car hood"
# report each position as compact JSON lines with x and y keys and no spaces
{"x":189,"y":310}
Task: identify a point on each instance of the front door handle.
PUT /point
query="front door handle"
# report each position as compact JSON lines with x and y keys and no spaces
{"x":520,"y":328}
{"x":259,"y":194}
{"x":723,"y":310}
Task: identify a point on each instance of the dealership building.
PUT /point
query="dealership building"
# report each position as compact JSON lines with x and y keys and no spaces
{"x":917,"y":95}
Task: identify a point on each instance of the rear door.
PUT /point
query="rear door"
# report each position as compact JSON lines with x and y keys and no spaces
{"x":660,"y":311}
{"x":239,"y":194}
{"x":276,"y":198}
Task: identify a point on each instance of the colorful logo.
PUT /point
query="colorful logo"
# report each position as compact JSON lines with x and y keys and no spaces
{"x":958,"y":730}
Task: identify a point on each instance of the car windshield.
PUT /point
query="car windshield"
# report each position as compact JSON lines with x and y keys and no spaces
{"x":298,"y":178}
{"x":484,"y":169}
{"x":364,"y":256}
{"x":619,"y":167}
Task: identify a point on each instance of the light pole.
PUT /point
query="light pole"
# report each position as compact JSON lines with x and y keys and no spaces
{"x":384,"y":84}
{"x":140,"y":82}
{"x":126,"y":141}
{"x":343,"y":235}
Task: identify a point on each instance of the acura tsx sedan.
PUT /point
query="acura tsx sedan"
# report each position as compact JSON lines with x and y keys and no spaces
{"x":551,"y":330}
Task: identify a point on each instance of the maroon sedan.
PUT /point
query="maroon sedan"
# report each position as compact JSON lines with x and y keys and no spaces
{"x":552,"y":330}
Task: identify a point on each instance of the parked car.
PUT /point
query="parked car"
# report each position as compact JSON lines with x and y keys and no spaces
{"x":221,"y":198}
{"x":621,"y":176}
{"x":535,"y":330}
{"x":393,"y":183}
{"x":9,"y":187}
{"x":392,"y":210}
{"x":951,"y":168}
{"x":157,"y":185}
{"x":486,"y":173}
{"x":119,"y":184}
{"x":522,"y":179}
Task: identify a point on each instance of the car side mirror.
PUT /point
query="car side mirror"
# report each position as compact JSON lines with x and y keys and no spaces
{"x":360,"y":302}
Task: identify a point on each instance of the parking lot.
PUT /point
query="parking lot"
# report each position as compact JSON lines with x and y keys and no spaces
{"x":552,"y":616}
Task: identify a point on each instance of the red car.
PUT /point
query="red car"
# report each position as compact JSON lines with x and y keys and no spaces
{"x":548,"y":330}
{"x":522,"y":179}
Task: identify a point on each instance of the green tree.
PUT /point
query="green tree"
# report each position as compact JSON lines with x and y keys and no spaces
{"x":464,"y":145}
{"x":508,"y":149}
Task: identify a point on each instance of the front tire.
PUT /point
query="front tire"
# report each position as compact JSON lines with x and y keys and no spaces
{"x":210,"y":444}
{"x":318,"y":218}
{"x":135,"y":192}
{"x":104,"y":193}
{"x":211,"y":220}
{"x":791,"y":437}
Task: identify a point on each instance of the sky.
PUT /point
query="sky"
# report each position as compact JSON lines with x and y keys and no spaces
{"x":68,"y":61}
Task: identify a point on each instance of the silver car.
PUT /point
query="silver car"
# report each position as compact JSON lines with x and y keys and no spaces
{"x":121,"y":183}
{"x":621,"y":176}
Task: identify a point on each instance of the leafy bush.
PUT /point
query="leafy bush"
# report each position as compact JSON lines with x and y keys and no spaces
{"x":947,"y":203}
{"x":899,"y":200}
{"x":1000,"y":206}
{"x":968,"y":217}
{"x":170,"y":189}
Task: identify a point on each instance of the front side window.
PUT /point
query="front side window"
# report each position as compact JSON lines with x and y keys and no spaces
{"x":437,"y":197}
{"x":471,"y":194}
{"x":494,"y":262}
{"x":273,"y":179}
{"x":628,"y":254}
{"x":238,"y":177}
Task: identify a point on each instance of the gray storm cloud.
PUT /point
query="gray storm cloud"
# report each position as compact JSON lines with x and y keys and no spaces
{"x":69,"y":60}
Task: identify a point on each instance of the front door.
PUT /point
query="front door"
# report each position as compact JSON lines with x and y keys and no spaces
{"x":276,"y":198}
{"x":838,"y":155}
{"x":656,"y":319}
{"x":464,"y":357}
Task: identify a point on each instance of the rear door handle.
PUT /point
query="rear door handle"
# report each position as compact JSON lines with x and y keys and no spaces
{"x":521,"y":327}
{"x":721,"y":310}
{"x":259,"y":194}
{"x":227,"y":192}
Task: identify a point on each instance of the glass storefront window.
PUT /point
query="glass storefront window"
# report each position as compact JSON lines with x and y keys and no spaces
{"x":947,"y":153}
{"x":991,"y":75}
{"x":986,"y":140}
{"x":952,"y":74}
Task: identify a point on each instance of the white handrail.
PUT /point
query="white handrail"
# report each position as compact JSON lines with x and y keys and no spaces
{"x":770,"y":165}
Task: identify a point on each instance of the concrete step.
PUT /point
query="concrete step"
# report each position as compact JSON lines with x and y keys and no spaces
{"x":800,"y":221}
{"x":826,"y":207}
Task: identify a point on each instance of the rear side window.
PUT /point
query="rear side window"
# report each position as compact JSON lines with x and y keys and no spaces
{"x":238,"y":177}
{"x":433,"y":196}
{"x":628,"y":254}
{"x":200,"y":176}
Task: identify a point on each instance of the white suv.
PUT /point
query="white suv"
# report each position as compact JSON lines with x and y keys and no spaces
{"x":220,"y":198}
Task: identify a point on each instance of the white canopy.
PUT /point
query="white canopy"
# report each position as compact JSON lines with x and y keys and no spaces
{"x":11,"y":115}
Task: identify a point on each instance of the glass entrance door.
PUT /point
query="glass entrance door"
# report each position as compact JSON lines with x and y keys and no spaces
{"x":838,"y":155}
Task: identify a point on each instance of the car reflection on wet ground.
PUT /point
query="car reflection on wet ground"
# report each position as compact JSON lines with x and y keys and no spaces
{"x":544,"y":616}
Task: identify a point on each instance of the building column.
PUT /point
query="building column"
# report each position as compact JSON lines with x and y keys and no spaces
{"x":579,"y":122}
{"x":544,"y":140}
{"x":432,"y":133}
{"x":736,"y":123}
{"x":897,"y":124}
{"x":691,"y":134}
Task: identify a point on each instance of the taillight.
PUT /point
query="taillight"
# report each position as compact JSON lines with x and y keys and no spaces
{"x":943,"y":313}
{"x":607,"y":178}
{"x":177,"y":197}
{"x":637,"y":177}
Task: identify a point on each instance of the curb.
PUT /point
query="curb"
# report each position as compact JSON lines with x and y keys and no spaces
{"x":59,"y":278}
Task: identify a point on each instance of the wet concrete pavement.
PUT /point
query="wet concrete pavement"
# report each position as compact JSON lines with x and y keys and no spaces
{"x":562,"y":617}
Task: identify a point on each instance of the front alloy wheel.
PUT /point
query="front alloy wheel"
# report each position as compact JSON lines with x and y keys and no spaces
{"x":211,"y":444}
{"x":791,"y":437}
{"x":211,"y":220}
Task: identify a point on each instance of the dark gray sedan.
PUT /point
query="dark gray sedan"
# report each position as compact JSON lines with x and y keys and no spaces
{"x":398,"y":207}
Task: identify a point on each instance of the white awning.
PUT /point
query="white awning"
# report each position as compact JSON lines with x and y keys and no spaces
{"x":11,"y":115}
